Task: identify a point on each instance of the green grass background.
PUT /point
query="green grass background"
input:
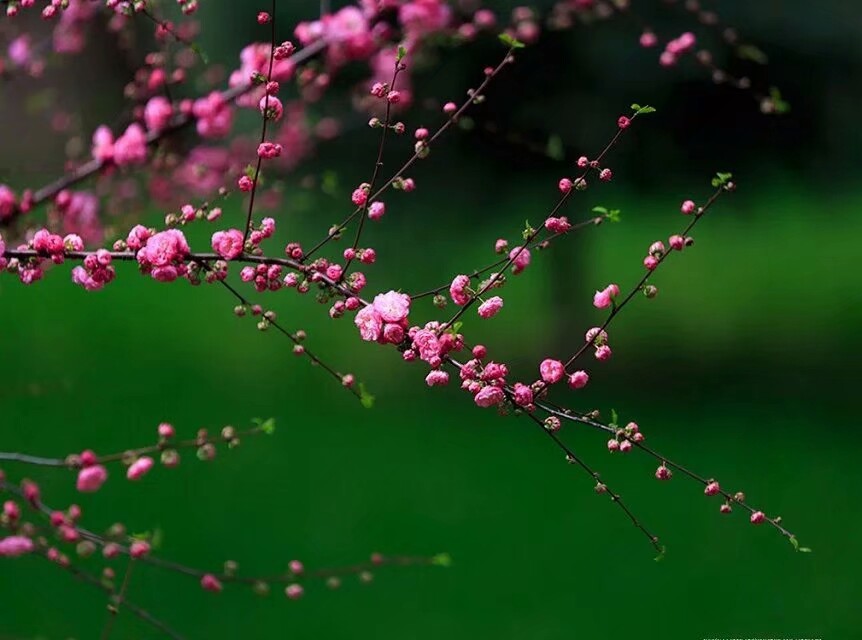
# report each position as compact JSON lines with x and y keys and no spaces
{"x":745,"y":367}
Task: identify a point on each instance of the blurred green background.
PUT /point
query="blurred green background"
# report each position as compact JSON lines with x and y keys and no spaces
{"x":745,"y":368}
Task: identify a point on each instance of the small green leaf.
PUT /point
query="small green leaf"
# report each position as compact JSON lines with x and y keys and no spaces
{"x":661,"y":554}
{"x":636,"y":107}
{"x":455,"y":328}
{"x":442,"y":560}
{"x":779,"y":104}
{"x":365,"y":398}
{"x":200,"y":53}
{"x":750,"y":52}
{"x":614,"y":418}
{"x":267,"y":426}
{"x":329,"y":183}
{"x":528,"y":230}
{"x":402,"y":52}
{"x":601,"y":210}
{"x":640,"y":111}
{"x":554,"y":148}
{"x":796,"y":546}
{"x":721,"y":179}
{"x":613,"y":215}
{"x":510,"y":41}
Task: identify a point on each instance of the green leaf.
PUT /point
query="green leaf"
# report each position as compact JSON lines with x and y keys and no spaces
{"x":442,"y":560}
{"x":636,"y":107}
{"x":779,"y":104}
{"x":661,"y":554}
{"x":796,"y":546}
{"x":750,"y":52}
{"x":455,"y":328}
{"x":365,"y":398}
{"x":640,"y":111}
{"x":613,"y":215}
{"x":601,"y":210}
{"x":200,"y":53}
{"x":614,"y":418}
{"x":510,"y":41}
{"x":402,"y":52}
{"x":329,"y":183}
{"x":721,"y":179}
{"x":554,"y":148}
{"x":267,"y":426}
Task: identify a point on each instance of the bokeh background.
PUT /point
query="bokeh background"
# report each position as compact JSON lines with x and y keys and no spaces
{"x":745,"y":367}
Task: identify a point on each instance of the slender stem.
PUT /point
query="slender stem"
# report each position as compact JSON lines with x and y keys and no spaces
{"x":615,"y":497}
{"x":565,"y":414}
{"x":247,"y":229}
{"x":120,"y":455}
{"x":136,"y":610}
{"x":617,"y":308}
{"x":535,"y":232}
{"x":378,"y":164}
{"x":508,"y":59}
{"x":536,"y":243}
{"x":118,"y":601}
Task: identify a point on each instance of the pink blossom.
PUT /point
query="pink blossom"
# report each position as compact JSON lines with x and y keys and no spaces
{"x":458,"y":290}
{"x":164,"y":248}
{"x":131,"y":147}
{"x":579,"y":379}
{"x":90,"y":479}
{"x":103,"y":144}
{"x":688,"y":207}
{"x":14,"y":546}
{"x":210,"y":583}
{"x":393,"y":333}
{"x":435,"y":378}
{"x":603,"y":298}
{"x":214,"y":115}
{"x":758,"y":517}
{"x":359,"y":197}
{"x":557,"y":225}
{"x":228,"y":244}
{"x":552,"y":371}
{"x":523,"y":395}
{"x":139,"y":468}
{"x":489,"y":396}
{"x":157,"y":113}
{"x":294,"y":591}
{"x":139,"y":548}
{"x":376,"y":210}
{"x":603,"y":352}
{"x":392,"y":306}
{"x":520,"y":257}
{"x":271,"y":108}
{"x":427,"y":344}
{"x":369,"y":322}
{"x":712,"y":488}
{"x":490,"y":307}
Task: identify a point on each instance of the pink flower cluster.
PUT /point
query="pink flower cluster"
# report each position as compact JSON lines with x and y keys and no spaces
{"x":385,"y":320}
{"x":162,"y":254}
{"x":677,"y":47}
{"x":127,"y":150}
{"x":214,"y":115}
{"x":95,"y":272}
